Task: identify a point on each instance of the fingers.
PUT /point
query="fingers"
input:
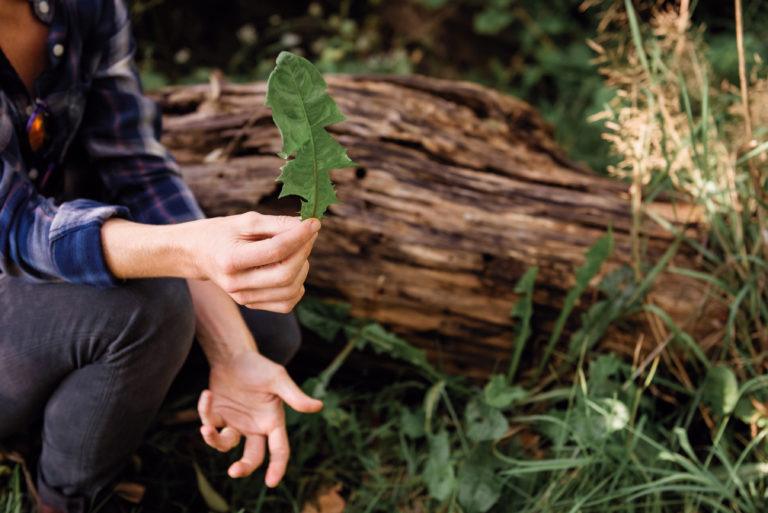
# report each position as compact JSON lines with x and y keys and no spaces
{"x":275,"y":249}
{"x":264,"y":284}
{"x":253,"y":457}
{"x":279,"y":453}
{"x":282,"y":307}
{"x":285,"y":388}
{"x":223,"y":441}
{"x":259,"y":299}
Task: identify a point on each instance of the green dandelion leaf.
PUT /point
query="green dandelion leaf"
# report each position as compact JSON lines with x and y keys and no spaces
{"x":302,"y":108}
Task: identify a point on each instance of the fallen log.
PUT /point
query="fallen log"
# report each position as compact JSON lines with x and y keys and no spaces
{"x":459,"y":190}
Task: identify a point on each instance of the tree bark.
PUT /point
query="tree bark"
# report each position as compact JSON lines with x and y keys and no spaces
{"x":459,"y":190}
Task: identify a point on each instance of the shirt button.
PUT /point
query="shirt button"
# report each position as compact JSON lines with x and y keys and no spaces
{"x":43,"y":7}
{"x":58,"y":50}
{"x":33,"y":174}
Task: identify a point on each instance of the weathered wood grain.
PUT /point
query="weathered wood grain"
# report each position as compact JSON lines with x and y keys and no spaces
{"x":460,"y":189}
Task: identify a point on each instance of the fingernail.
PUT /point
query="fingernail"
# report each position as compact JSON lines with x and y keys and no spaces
{"x":314,"y":224}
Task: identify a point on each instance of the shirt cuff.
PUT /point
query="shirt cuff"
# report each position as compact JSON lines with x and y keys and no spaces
{"x":76,"y":242}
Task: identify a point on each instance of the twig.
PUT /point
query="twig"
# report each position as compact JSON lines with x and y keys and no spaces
{"x":743,"y":69}
{"x":647,"y":361}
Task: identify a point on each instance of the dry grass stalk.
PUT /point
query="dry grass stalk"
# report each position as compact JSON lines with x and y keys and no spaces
{"x":671,"y":120}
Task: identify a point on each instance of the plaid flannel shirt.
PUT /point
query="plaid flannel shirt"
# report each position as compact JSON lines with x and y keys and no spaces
{"x":93,"y":95}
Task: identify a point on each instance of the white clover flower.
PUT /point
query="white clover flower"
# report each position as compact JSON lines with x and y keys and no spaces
{"x":247,"y":34}
{"x":182,"y":56}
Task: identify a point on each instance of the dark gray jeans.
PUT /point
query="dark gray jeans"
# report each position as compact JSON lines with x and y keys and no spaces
{"x":94,"y":365}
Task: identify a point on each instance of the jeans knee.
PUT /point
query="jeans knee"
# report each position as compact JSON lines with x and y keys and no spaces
{"x":290,"y":339}
{"x":277,"y":335}
{"x":162,"y":318}
{"x":178,"y":315}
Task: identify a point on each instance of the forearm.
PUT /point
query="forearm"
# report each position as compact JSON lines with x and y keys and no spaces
{"x":134,"y":250}
{"x":221,"y":330}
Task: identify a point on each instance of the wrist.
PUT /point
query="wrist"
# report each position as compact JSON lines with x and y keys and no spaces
{"x":133,"y":250}
{"x":228,"y":346}
{"x":221,"y":330}
{"x":223,"y":354}
{"x":185,"y":248}
{"x":227,"y":355}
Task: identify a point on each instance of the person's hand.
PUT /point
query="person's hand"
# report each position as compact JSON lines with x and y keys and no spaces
{"x":246,"y":397}
{"x":260,"y":261}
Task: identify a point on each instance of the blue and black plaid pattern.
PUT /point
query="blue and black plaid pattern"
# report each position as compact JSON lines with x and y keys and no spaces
{"x":93,"y":94}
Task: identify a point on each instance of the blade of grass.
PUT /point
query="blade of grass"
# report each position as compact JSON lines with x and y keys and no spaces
{"x":594,"y":259}
{"x":523,"y":311}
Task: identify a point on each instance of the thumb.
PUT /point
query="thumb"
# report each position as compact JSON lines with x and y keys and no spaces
{"x":265,"y":226}
{"x":205,"y":410}
{"x":295,"y":397}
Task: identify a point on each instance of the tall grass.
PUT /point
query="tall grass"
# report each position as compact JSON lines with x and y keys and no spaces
{"x":682,"y":131}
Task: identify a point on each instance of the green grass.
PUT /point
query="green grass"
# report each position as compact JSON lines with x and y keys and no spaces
{"x":11,"y":494}
{"x":430,"y":442}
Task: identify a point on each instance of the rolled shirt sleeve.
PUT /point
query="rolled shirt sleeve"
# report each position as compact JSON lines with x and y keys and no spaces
{"x":121,"y":128}
{"x":41,"y":241}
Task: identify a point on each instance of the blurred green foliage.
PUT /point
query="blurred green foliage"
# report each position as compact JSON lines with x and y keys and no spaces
{"x":532,"y":49}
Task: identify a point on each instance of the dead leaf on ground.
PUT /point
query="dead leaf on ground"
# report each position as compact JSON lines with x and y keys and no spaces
{"x":180,"y":417}
{"x":329,"y":500}
{"x":131,"y":492}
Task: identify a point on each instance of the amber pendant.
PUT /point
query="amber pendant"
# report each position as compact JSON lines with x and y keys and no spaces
{"x":36,"y":129}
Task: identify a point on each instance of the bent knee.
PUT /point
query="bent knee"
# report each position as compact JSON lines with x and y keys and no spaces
{"x":161,"y":316}
{"x":277,"y":335}
{"x":289,"y":339}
